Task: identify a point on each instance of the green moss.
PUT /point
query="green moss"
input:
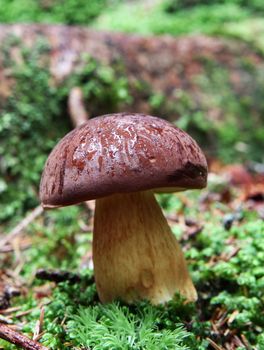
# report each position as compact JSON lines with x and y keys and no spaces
{"x":61,"y":11}
{"x":130,"y":17}
{"x":249,"y":30}
{"x":172,"y":6}
{"x":116,"y":327}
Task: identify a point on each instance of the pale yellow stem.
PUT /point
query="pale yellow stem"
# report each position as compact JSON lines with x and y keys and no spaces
{"x":135,"y":254}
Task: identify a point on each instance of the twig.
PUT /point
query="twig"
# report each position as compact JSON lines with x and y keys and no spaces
{"x":24,"y":313}
{"x":237,"y":342}
{"x":232,"y":317}
{"x":10,"y":248}
{"x":39,"y":325}
{"x":10,"y":310}
{"x":58,"y":276}
{"x":5,"y":320}
{"x":76,"y":107}
{"x":245,"y":341}
{"x":19,"y":339}
{"x":22,"y":225}
{"x":214,"y":345}
{"x":232,"y":253}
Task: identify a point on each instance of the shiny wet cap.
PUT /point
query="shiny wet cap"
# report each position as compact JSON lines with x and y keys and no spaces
{"x":119,"y":153}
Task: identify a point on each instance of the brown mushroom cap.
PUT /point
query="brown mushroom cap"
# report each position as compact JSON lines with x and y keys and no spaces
{"x":119,"y":153}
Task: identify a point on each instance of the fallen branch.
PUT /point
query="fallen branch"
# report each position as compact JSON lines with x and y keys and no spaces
{"x":22,"y":225}
{"x":19,"y":339}
{"x":58,"y":276}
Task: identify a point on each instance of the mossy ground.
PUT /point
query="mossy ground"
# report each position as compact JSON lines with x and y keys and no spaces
{"x":226,"y":264}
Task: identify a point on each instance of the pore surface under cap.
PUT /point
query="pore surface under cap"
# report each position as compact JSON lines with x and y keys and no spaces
{"x":119,"y":153}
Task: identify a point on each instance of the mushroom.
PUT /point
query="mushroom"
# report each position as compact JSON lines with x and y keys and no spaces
{"x":119,"y":160}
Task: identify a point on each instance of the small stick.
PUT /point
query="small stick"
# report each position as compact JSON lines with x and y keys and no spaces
{"x":232,"y":317}
{"x":39,"y":324}
{"x":76,"y":107}
{"x":10,"y":248}
{"x":245,"y":341}
{"x":214,"y":345}
{"x":10,"y":310}
{"x":19,"y":339}
{"x":5,"y":320}
{"x":22,"y":225}
{"x":24,"y":313}
{"x":58,"y":276}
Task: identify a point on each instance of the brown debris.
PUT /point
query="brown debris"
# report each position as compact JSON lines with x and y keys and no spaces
{"x":225,"y":335}
{"x":214,"y":345}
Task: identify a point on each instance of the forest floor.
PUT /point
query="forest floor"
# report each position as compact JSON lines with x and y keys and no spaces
{"x":221,"y":230}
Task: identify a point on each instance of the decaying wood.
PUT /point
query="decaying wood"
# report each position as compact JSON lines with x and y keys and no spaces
{"x":163,"y":65}
{"x":8,"y":334}
{"x":22,"y":225}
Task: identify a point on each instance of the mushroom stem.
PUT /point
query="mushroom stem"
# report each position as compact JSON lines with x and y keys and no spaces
{"x":136,"y":256}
